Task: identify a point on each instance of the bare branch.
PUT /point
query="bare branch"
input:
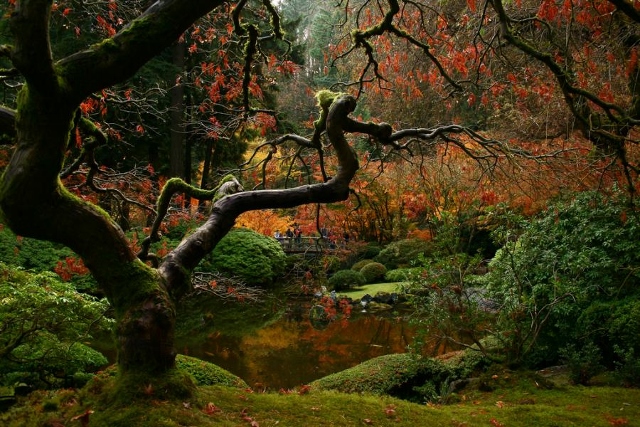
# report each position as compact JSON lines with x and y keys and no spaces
{"x":225,"y":288}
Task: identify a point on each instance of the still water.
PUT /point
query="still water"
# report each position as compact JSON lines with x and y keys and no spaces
{"x":291,"y":351}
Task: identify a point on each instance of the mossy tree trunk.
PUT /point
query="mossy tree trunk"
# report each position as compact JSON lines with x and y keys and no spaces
{"x":34,"y":203}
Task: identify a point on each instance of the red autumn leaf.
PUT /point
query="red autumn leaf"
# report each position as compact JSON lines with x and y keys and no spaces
{"x":304,"y":389}
{"x":472,"y":5}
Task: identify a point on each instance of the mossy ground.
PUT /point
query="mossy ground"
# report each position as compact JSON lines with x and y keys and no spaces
{"x":502,"y":398}
{"x":372,"y":289}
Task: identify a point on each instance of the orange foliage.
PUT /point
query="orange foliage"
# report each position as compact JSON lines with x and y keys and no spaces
{"x":266,"y":222}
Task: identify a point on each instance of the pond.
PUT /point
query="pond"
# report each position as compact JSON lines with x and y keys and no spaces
{"x":288,"y":349}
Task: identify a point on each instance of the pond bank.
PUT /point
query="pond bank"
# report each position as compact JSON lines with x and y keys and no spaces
{"x":274,"y":344}
{"x":290,"y":350}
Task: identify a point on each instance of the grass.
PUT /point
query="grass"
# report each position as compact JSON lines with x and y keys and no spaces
{"x":516,"y":399}
{"x":372,"y":290}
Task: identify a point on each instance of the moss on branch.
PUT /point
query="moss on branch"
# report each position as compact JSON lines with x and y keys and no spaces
{"x":172,"y":187}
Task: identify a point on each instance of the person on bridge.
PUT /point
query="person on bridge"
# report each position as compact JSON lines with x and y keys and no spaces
{"x":289,"y":235}
{"x":298,"y":234}
{"x":346,"y":237}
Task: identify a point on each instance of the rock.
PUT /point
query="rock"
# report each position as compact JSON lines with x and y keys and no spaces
{"x":375,"y":307}
{"x":22,"y":389}
{"x":6,"y":402}
{"x":386,"y":297}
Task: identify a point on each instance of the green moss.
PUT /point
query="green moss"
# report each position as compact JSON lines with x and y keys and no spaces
{"x":520,"y":403}
{"x":377,"y":376}
{"x":141,"y":281}
{"x":107,"y":44}
{"x":175,"y":185}
{"x":225,"y":179}
{"x":118,"y":390}
{"x":406,"y":376}
{"x":72,"y":198}
{"x":326,"y":97}
{"x":205,"y":373}
{"x":63,"y":84}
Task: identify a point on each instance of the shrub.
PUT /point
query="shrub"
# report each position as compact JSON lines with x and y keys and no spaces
{"x":448,"y":305}
{"x":613,"y":324}
{"x":345,"y":279}
{"x":328,"y":264}
{"x":628,"y":368}
{"x":40,"y":255}
{"x":250,"y":256}
{"x":358,"y":265}
{"x":566,"y":278}
{"x":49,"y":321}
{"x":403,"y":274}
{"x":369,"y":251}
{"x":373,"y":272}
{"x":583,"y":364}
{"x":402,"y":253}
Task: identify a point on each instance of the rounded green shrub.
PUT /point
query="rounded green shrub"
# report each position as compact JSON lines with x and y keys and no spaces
{"x":403,"y":253}
{"x":373,"y":272}
{"x":358,"y":265}
{"x":369,"y":251}
{"x":403,"y":274}
{"x":250,"y":256}
{"x":345,"y":279}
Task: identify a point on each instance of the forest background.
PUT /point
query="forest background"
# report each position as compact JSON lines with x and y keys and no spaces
{"x":510,"y":111}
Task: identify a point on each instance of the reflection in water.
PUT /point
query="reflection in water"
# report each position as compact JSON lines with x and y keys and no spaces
{"x":289,"y":353}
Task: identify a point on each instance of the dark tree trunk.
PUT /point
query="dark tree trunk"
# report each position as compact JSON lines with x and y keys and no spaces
{"x":206,"y":167}
{"x":34,"y":203}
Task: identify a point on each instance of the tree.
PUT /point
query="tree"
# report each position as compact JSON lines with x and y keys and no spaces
{"x":141,"y":288}
{"x":34,"y":202}
{"x":543,"y":68}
